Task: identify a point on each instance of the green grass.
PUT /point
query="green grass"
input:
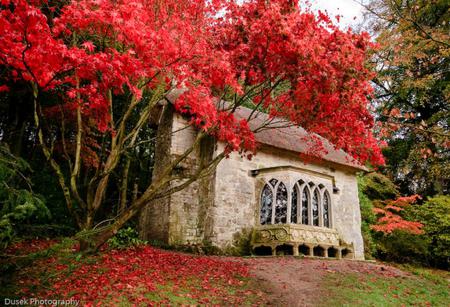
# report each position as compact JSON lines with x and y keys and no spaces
{"x":174,"y":296}
{"x":424,"y":287}
{"x":171,"y":294}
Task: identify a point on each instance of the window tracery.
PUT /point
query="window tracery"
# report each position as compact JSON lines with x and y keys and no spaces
{"x":309,"y":204}
{"x":273,"y":182}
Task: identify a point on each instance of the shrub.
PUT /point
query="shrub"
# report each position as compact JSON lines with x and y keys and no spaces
{"x":392,"y":243}
{"x":368,"y":218}
{"x":241,"y":245}
{"x":403,"y":247}
{"x":124,"y":238}
{"x":435,"y":215}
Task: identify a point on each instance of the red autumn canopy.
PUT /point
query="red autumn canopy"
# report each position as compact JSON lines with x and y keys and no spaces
{"x":270,"y":55}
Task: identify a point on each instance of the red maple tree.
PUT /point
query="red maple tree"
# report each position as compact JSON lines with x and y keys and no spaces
{"x":389,"y":218}
{"x":108,"y":64}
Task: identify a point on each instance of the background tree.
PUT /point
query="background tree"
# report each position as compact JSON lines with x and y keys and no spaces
{"x":98,"y":70}
{"x":403,"y":229}
{"x":412,"y":91}
{"x":435,"y":215}
{"x":20,"y":205}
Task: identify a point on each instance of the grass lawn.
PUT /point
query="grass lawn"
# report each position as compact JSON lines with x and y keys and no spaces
{"x":421,"y":287}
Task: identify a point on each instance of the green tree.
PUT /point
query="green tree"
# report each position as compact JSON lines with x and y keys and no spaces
{"x":435,"y":215}
{"x":413,"y":90}
{"x":18,"y":203}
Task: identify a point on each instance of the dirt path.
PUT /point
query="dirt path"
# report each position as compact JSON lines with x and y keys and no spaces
{"x":298,"y":282}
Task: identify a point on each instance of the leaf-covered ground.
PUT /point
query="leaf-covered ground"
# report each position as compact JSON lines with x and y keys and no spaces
{"x":136,"y":276}
{"x":150,"y":276}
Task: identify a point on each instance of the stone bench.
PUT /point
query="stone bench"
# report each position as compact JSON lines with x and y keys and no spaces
{"x":296,"y":239}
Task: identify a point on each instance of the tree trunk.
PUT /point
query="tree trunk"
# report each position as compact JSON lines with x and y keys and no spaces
{"x":99,"y":239}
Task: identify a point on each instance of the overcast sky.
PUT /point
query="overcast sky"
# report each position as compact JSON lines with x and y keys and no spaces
{"x":349,"y":9}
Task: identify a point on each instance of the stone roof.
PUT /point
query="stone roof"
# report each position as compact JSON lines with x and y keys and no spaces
{"x":288,"y":138}
{"x":291,"y":138}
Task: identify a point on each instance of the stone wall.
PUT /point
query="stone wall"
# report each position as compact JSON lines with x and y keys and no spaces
{"x":237,"y":198}
{"x":217,"y":208}
{"x":183,"y":217}
{"x":154,"y":218}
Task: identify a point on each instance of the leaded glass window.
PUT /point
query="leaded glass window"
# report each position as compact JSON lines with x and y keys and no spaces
{"x":326,"y":209}
{"x":294,"y":200}
{"x":315,"y":208}
{"x":265,"y":216}
{"x":305,"y":206}
{"x":310,"y":204}
{"x":281,"y":204}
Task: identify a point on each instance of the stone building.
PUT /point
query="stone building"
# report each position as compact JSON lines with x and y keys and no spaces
{"x":288,"y":205}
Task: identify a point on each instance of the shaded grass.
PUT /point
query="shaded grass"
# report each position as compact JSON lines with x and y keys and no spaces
{"x":423,"y":287}
{"x":176,"y":295}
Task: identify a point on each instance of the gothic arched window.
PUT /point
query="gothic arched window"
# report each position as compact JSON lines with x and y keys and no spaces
{"x":315,"y":208}
{"x":310,"y":204}
{"x":305,"y":206}
{"x":281,"y":204}
{"x":326,"y":209}
{"x":265,"y":216}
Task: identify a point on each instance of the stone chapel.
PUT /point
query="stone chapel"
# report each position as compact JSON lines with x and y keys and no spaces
{"x":288,"y":205}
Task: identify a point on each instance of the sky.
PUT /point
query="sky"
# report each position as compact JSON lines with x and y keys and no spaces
{"x":349,"y":9}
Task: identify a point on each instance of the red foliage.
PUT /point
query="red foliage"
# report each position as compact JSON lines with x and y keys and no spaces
{"x":134,"y":272}
{"x":93,"y":47}
{"x":390,"y":220}
{"x":29,"y":246}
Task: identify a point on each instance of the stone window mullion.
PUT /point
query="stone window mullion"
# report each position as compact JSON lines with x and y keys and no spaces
{"x":299,"y":203}
{"x":310,"y":210}
{"x":289,"y":199}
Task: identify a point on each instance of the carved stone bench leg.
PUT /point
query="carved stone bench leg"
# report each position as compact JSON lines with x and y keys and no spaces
{"x":325,"y":252}
{"x":339,"y":253}
{"x":295,"y":250}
